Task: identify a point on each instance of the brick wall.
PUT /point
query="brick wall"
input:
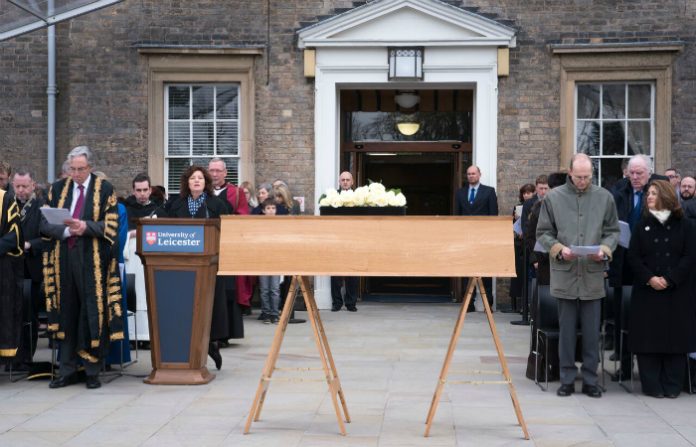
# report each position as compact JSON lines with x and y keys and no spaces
{"x":103,"y":80}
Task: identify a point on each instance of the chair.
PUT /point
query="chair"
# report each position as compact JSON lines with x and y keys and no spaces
{"x":546,"y":322}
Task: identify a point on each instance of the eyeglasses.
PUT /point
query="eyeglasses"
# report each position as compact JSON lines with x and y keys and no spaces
{"x":80,"y":169}
{"x":583,"y":178}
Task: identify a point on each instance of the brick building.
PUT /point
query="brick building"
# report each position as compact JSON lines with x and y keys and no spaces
{"x":301,"y":89}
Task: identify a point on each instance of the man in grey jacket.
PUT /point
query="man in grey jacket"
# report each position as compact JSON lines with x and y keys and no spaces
{"x":580,"y":214}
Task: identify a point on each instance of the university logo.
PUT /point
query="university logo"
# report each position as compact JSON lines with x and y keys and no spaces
{"x":151,"y":237}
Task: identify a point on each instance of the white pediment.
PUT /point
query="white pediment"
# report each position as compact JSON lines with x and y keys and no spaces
{"x":406,"y":23}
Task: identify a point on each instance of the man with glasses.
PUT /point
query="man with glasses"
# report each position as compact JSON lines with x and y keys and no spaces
{"x":674,"y":177}
{"x":581,"y":214}
{"x":82,"y":284}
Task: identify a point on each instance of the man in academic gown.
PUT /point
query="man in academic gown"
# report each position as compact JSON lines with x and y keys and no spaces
{"x":82,"y":285}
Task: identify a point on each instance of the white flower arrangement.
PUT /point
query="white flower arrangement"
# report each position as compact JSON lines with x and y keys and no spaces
{"x":374,"y":194}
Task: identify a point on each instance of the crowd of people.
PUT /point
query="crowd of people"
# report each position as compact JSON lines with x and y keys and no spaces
{"x":573,"y":241}
{"x":73,"y":270}
{"x":570,"y":234}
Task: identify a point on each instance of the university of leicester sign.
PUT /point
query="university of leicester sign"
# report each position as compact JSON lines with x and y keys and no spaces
{"x":172,"y":238}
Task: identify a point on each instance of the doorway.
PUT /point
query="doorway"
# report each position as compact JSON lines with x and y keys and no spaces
{"x":426,"y":163}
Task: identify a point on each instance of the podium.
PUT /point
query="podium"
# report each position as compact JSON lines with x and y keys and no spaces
{"x":180,"y":257}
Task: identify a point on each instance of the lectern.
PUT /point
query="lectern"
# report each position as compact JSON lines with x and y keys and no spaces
{"x":180,"y":257}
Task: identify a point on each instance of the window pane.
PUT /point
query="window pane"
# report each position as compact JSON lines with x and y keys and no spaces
{"x":203,"y":102}
{"x":178,"y":141}
{"x":614,"y":101}
{"x":588,"y":138}
{"x":203,"y":138}
{"x":613,"y":138}
{"x":177,"y":166}
{"x":597,"y":172}
{"x":588,"y":101}
{"x":611,"y":171}
{"x":227,"y":138}
{"x":639,"y":137}
{"x":227,"y":102}
{"x":232,"y":170}
{"x":178,"y":102}
{"x":639,"y":101}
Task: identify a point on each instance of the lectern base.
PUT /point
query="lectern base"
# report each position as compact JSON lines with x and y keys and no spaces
{"x":179,"y":377}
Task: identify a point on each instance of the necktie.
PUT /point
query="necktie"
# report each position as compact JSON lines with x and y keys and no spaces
{"x":77,"y":212}
{"x":634,"y":217}
{"x":472,"y":194}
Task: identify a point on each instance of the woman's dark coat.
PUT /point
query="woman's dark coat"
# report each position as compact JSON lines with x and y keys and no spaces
{"x":212,"y":208}
{"x":663,"y":321}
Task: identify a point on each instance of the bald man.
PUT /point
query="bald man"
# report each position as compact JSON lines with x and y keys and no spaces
{"x":345,"y":182}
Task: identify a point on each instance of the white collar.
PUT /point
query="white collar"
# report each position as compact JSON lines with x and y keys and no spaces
{"x":85,"y":184}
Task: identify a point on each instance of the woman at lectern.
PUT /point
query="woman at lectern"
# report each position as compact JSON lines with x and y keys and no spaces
{"x":197,"y":200}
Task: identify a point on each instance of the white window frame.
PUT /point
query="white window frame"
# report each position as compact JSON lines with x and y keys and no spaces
{"x":191,"y":157}
{"x":601,"y":120}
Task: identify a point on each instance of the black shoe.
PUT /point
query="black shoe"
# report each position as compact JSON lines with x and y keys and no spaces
{"x":262,"y":317}
{"x":92,"y":382}
{"x":613,"y":357}
{"x":591,"y":390}
{"x":352,"y":309}
{"x":335,"y":308}
{"x":471,"y":309}
{"x":620,"y":376}
{"x":63,"y":381}
{"x":566,"y":390}
{"x":214,"y":353}
{"x":246,"y":311}
{"x":655,"y":395}
{"x":671,"y":395}
{"x":274,"y":319}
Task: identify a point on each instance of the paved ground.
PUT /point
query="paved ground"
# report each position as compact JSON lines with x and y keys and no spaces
{"x":388,"y":357}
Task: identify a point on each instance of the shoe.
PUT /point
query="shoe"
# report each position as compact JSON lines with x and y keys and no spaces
{"x":223,"y":344}
{"x":620,"y":376}
{"x":613,"y":357}
{"x":214,"y":353}
{"x":655,"y":395}
{"x":591,"y":390}
{"x":671,"y":395}
{"x":566,"y":390}
{"x":263,"y":316}
{"x":92,"y":382}
{"x":352,"y":309}
{"x":471,"y":308}
{"x":274,"y":320}
{"x":267,"y":320}
{"x":246,"y":311}
{"x":335,"y":308}
{"x":63,"y":381}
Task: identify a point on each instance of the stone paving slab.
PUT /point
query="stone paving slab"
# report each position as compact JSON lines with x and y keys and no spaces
{"x":388,"y":358}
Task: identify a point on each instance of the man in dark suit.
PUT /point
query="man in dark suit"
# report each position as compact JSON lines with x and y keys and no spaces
{"x":29,"y":206}
{"x":345,"y":181}
{"x":686,"y":196}
{"x":629,"y":195}
{"x":476,"y":199}
{"x":83,"y":287}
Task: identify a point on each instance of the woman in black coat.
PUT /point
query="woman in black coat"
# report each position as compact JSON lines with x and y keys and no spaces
{"x":197,"y":200}
{"x":662,"y":322}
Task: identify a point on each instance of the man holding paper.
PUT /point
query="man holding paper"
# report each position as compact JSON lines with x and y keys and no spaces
{"x":581,"y":214}
{"x":82,"y":284}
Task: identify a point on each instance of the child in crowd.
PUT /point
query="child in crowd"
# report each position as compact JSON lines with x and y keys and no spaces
{"x":269,"y":285}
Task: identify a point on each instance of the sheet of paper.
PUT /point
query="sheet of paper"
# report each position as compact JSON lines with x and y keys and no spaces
{"x":517,"y":227}
{"x":56,"y":216}
{"x":584,"y":250}
{"x":540,"y":248}
{"x":625,"y":234}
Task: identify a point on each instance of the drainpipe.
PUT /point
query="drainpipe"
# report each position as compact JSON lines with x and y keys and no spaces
{"x":51,"y":92}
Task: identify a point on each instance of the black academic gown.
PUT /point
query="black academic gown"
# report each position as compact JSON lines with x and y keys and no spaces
{"x":11,"y":274}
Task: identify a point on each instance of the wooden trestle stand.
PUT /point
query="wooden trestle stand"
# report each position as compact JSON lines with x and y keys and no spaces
{"x":304,"y":246}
